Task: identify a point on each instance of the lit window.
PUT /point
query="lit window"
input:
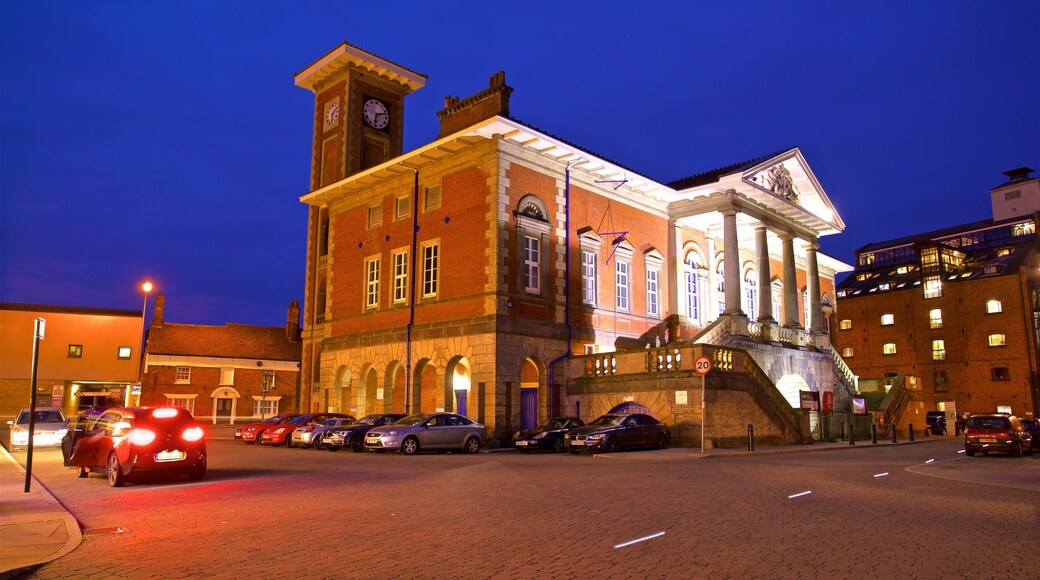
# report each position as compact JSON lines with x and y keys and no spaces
{"x":845,"y":324}
{"x":183,"y":375}
{"x":531,"y":268}
{"x":938,"y":350}
{"x":1004,"y":409}
{"x":652,"y":303}
{"x":75,"y":350}
{"x":720,"y":288}
{"x":888,"y":319}
{"x":999,"y":374}
{"x":884,"y":286}
{"x":935,"y":318}
{"x":932,"y":287}
{"x":124,"y":352}
{"x":621,"y":270}
{"x":183,"y":401}
{"x":431,"y":269}
{"x":266,"y":381}
{"x":888,"y":348}
{"x":997,"y":339}
{"x":846,"y":352}
{"x":692,"y":274}
{"x":750,"y":294}
{"x":1004,"y":252}
{"x":994,"y":307}
{"x":588,"y":278}
{"x":372,"y":283}
{"x":400,"y":277}
{"x":902,"y":270}
{"x":265,"y":407}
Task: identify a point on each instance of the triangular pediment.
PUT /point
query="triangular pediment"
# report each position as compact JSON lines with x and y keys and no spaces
{"x":787,"y":180}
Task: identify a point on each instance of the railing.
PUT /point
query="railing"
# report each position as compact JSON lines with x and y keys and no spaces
{"x":663,"y":359}
{"x":768,"y":398}
{"x":893,"y":404}
{"x":601,"y":365}
{"x":845,"y":375}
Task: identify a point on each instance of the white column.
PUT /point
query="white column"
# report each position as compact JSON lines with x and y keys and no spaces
{"x":790,"y":283}
{"x":765,"y":291}
{"x":812,"y":272}
{"x":731,"y":261}
{"x":676,"y":269}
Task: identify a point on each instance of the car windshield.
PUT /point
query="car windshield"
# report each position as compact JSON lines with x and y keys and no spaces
{"x":46,"y":416}
{"x":552,"y":424}
{"x":989,"y":423}
{"x":369,"y":420}
{"x":412,"y":419}
{"x":299,"y":420}
{"x":608,"y":420}
{"x":275,"y":419}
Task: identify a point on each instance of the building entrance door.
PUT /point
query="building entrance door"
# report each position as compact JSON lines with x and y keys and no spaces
{"x":528,"y":408}
{"x":223,"y":408}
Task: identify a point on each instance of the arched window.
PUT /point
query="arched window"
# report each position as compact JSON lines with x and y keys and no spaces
{"x":720,"y":288}
{"x":694,"y":274}
{"x":533,"y":232}
{"x":777,"y":288}
{"x":751,"y":294}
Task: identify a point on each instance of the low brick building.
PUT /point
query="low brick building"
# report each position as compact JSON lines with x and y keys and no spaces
{"x":222,"y":374}
{"x":948,"y":320}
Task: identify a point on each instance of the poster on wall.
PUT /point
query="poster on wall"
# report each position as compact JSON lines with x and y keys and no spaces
{"x":859,"y":406}
{"x":809,"y":400}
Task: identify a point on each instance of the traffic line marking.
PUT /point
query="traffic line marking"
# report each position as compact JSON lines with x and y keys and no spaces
{"x":643,"y":539}
{"x":883,"y":474}
{"x":799,"y":494}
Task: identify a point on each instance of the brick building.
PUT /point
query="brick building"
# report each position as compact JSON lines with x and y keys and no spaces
{"x":501,"y":272}
{"x":222,"y":374}
{"x":948,"y":319}
{"x":88,"y":356}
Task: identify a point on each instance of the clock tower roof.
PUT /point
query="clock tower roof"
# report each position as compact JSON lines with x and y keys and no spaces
{"x":346,"y":55}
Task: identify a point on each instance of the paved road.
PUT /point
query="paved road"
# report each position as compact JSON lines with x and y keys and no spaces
{"x":305,"y":513}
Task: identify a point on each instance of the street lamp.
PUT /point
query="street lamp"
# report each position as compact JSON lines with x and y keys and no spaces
{"x":147,"y":289}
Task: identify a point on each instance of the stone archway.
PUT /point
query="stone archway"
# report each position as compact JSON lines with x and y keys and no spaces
{"x":631,"y":407}
{"x":457,"y":383}
{"x":532,"y":399}
{"x":225,"y":404}
{"x":424,"y":387}
{"x":342,"y":393}
{"x":368,"y":383}
{"x":393,"y":390}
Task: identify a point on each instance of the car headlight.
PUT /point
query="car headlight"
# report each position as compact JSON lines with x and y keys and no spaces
{"x":392,"y":432}
{"x":516,"y":435}
{"x":62,"y":432}
{"x":596,"y":436}
{"x":279,"y":431}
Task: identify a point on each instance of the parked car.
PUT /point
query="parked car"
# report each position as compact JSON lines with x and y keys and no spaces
{"x":440,"y":431}
{"x":251,"y":432}
{"x":353,"y":435}
{"x":935,"y":422}
{"x":126,"y":442}
{"x":1032,"y":425}
{"x":282,"y":433}
{"x":611,"y":433}
{"x":311,"y":434}
{"x":49,"y":426}
{"x":547,"y":435}
{"x":996,"y":432}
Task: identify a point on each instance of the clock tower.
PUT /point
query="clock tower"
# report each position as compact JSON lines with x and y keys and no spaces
{"x":358,"y":124}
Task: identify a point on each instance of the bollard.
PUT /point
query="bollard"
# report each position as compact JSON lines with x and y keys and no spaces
{"x":852,"y":434}
{"x":910,"y":430}
{"x":894,"y":440}
{"x":873,"y":434}
{"x":843,"y":430}
{"x":750,"y":437}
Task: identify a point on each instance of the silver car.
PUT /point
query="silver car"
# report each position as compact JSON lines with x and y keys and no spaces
{"x":311,"y":434}
{"x":439,"y":431}
{"x":49,"y":426}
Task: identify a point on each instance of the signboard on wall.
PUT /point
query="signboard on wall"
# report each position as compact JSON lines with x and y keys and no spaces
{"x":57,"y":394}
{"x":859,"y":406}
{"x":809,"y":400}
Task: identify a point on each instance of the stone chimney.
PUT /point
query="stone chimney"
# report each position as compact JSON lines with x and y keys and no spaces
{"x":292,"y":322}
{"x":160,"y":307}
{"x":459,"y":114}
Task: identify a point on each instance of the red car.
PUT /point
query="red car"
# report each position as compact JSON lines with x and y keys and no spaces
{"x":124,"y":442}
{"x":275,"y":435}
{"x":996,"y":432}
{"x":250,"y":432}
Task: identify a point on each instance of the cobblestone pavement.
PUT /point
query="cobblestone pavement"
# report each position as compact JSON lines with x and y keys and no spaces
{"x":305,"y":513}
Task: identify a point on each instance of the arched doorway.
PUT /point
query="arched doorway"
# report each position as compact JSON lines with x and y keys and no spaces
{"x":392,"y":392}
{"x":342,"y":394}
{"x":789,"y":386}
{"x":225,"y":404}
{"x":424,"y":387}
{"x":530,"y":378}
{"x":457,"y":385}
{"x":368,"y":384}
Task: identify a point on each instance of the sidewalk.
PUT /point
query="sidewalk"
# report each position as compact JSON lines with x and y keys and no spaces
{"x":35,"y":528}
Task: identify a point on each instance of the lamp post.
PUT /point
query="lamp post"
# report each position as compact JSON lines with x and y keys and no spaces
{"x":146,"y":287}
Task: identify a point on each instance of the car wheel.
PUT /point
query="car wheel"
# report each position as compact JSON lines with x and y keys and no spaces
{"x":472,"y":445}
{"x":115,"y":472}
{"x":969,"y":452}
{"x":409,"y":446}
{"x":557,"y":446}
{"x":199,"y":472}
{"x":357,"y":445}
{"x":83,"y":472}
{"x":317,"y":444}
{"x":612,"y":445}
{"x":662,"y":443}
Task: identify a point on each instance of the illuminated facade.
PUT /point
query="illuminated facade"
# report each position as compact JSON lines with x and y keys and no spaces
{"x":491,"y":270}
{"x":948,"y":320}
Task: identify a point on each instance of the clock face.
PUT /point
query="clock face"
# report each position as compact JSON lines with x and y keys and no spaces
{"x":331,"y":114}
{"x":376,"y":114}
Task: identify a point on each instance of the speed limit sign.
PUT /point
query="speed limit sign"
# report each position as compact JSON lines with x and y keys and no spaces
{"x":702,"y":365}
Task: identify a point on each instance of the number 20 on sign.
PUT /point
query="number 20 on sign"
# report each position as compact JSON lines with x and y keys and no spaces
{"x":702,"y":365}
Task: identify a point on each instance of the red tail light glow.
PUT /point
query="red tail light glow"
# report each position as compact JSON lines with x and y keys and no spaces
{"x":164,"y":412}
{"x":142,"y":436}
{"x":192,"y":434}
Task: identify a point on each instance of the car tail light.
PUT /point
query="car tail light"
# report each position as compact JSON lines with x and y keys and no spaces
{"x":142,"y":436}
{"x":192,"y":433}
{"x":164,"y":412}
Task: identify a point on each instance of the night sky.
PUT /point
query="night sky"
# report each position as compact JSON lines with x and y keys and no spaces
{"x":167,"y":141}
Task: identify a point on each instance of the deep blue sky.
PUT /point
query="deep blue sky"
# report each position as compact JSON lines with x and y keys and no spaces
{"x":167,"y":140}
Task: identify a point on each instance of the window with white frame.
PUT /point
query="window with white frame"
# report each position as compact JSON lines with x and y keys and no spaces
{"x":720,"y":288}
{"x":372,"y":282}
{"x":1004,"y":409}
{"x":186,"y":402}
{"x":932,"y":287}
{"x":777,"y":288}
{"x":183,"y":375}
{"x":935,"y":318}
{"x":693,"y":276}
{"x":888,"y":348}
{"x":265,"y":406}
{"x":888,"y":319}
{"x":653,"y":308}
{"x":994,"y":307}
{"x":938,"y":349}
{"x":266,"y":380}
{"x":430,"y":269}
{"x":400,"y":276}
{"x":997,"y":339}
{"x":621,"y":275}
{"x":124,"y":352}
{"x":588,"y":277}
{"x":751,"y":294}
{"x":532,"y":268}
{"x":805,"y":308}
